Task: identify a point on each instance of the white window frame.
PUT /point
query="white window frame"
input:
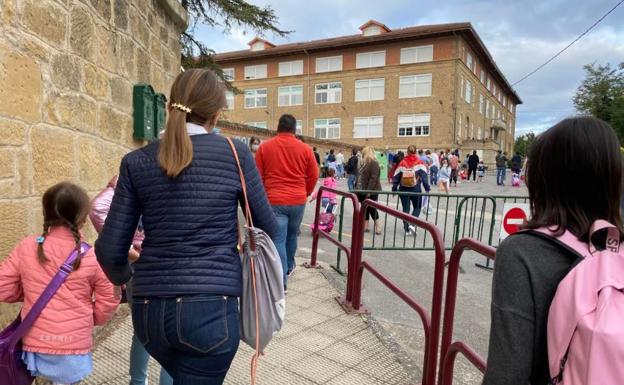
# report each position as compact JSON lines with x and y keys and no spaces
{"x":468,"y":92}
{"x":481,"y":104}
{"x":251,"y":72}
{"x":262,"y":125}
{"x":293,"y":98}
{"x":327,"y":124}
{"x":290,"y":68}
{"x":469,"y":61}
{"x":299,"y":127}
{"x":415,"y":86}
{"x":405,"y":120}
{"x":228,"y":74}
{"x":483,"y":77}
{"x":230,"y":100}
{"x":372,"y":127}
{"x":489,"y":84}
{"x":366,"y":59}
{"x":487,"y":108}
{"x":328,"y":64}
{"x":368,"y":84}
{"x":254,"y":94}
{"x":333,"y":93}
{"x":419,"y":54}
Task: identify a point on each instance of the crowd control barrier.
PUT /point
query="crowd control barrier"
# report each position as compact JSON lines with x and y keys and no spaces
{"x":430,"y":321}
{"x":449,"y":348}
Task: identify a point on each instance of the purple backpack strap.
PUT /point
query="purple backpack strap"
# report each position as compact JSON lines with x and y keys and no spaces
{"x":66,"y":268}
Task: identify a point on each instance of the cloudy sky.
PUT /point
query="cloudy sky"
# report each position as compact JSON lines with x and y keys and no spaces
{"x":520,"y":35}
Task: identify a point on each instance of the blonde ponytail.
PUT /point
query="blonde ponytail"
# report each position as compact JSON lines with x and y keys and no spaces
{"x":196,"y":97}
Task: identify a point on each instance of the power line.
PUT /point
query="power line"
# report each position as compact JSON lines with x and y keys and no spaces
{"x":569,"y":45}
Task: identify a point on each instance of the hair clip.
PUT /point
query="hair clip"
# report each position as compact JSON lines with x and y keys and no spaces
{"x":40,"y":239}
{"x":181,"y":107}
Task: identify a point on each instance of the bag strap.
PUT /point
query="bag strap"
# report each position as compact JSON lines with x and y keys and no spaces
{"x":66,"y":268}
{"x":613,"y":236}
{"x":571,"y":242}
{"x":243,"y":183}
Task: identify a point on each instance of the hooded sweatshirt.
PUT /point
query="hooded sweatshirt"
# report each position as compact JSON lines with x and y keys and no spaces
{"x":412,"y":162}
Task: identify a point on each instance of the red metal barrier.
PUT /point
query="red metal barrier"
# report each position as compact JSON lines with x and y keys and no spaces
{"x":431,"y":322}
{"x":448,"y":350}
{"x":349,"y":250}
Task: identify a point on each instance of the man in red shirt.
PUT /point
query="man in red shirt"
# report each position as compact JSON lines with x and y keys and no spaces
{"x":289,"y":173}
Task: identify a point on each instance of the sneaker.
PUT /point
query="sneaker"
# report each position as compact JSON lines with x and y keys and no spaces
{"x":289,"y":273}
{"x":411,"y":230}
{"x":285,"y":289}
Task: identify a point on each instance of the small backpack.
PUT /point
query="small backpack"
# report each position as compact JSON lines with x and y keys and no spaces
{"x":409,"y":178}
{"x":586,"y":317}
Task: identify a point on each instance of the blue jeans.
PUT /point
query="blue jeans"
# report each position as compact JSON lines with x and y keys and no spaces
{"x":415,"y":200}
{"x":433,"y":179}
{"x":500,"y":175}
{"x":288,"y":221}
{"x":340,"y":170}
{"x":139,"y":358}
{"x":194,"y":337}
{"x":351,"y":181}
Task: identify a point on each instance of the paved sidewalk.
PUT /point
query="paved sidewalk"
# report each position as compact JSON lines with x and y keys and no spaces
{"x":319,"y":344}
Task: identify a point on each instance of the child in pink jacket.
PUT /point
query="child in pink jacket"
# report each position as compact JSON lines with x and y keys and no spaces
{"x":328,"y":199}
{"x":58,"y":346}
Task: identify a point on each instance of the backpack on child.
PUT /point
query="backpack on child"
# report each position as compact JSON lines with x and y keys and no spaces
{"x":585,"y":327}
{"x":515,"y":180}
{"x":409,"y":178}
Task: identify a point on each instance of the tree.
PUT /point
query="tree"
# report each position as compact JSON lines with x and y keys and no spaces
{"x":226,"y":14}
{"x":602,"y":95}
{"x":523,"y":143}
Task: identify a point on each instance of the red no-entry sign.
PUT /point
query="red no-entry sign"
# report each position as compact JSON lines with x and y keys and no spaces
{"x":514,"y":216}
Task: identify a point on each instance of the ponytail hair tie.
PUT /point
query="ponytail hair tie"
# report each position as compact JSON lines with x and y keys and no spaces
{"x":181,"y":107}
{"x":40,"y":239}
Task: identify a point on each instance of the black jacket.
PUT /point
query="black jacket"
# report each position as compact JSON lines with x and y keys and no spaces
{"x":190,"y":222}
{"x":352,"y":165}
{"x":473,"y":161}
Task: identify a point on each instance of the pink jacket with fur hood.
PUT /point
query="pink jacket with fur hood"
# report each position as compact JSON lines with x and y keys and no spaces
{"x":86,"y":298}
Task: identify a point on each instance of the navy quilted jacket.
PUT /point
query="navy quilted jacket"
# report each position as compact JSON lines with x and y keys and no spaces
{"x":190,"y":222}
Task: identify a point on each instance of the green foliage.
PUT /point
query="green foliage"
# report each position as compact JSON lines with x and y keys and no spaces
{"x":225,"y":14}
{"x":602,"y":95}
{"x":523,"y":143}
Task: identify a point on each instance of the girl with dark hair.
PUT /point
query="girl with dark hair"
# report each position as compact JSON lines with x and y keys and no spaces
{"x":530,"y":267}
{"x":58,"y":345}
{"x":254,"y":145}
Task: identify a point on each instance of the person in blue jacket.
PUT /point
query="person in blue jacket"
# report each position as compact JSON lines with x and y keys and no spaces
{"x":186,"y":190}
{"x":411,"y":176}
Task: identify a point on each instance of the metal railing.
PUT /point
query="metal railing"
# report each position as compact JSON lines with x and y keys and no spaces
{"x":430,"y":321}
{"x":449,"y":348}
{"x":317,"y":233}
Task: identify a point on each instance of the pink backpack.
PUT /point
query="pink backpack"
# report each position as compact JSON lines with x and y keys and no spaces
{"x":586,"y":317}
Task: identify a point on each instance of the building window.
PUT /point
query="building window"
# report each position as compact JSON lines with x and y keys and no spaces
{"x":228,"y":74}
{"x":329,"y":64}
{"x":414,"y":125}
{"x":468,"y":92}
{"x":299,"y":127}
{"x":489,"y":84}
{"x":480,"y":133}
{"x":256,"y":72}
{"x":327,"y":128}
{"x":371,"y":30}
{"x":370,"y":59}
{"x":487,"y":108}
{"x":290,"y":68}
{"x":290,"y":96}
{"x":481,"y":104}
{"x":469,"y":61}
{"x":257,"y":124}
{"x":482,"y":76}
{"x":416,"y":54}
{"x":368,"y":127}
{"x":229,"y":98}
{"x":328,"y":93}
{"x":414,"y":86}
{"x":369,"y":89}
{"x":256,"y":98}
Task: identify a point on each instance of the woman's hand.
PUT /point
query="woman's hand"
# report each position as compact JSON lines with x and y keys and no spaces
{"x":133,"y":255}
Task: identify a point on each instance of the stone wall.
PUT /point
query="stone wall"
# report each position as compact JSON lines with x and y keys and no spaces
{"x":67,"y":68}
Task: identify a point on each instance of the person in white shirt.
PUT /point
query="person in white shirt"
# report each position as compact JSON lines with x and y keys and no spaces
{"x":340,"y":165}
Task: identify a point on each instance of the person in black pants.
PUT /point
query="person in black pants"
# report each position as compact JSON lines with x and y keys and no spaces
{"x":473,"y":163}
{"x":368,"y":179}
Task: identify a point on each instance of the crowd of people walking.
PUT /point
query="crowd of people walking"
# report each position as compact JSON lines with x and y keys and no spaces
{"x":169,"y":237}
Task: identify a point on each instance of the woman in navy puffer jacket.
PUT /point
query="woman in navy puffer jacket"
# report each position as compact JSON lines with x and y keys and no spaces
{"x":186,"y":188}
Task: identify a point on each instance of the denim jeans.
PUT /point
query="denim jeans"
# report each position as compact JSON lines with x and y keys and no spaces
{"x":139,"y":358}
{"x":288,"y":221}
{"x":415,"y":200}
{"x":339,"y":170}
{"x":433,"y":179}
{"x":194,"y":337}
{"x":500,"y":175}
{"x":351,"y":181}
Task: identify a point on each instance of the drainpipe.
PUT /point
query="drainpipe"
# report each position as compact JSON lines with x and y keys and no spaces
{"x":455,"y":102}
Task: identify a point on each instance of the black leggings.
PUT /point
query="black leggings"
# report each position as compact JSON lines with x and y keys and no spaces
{"x":370,"y":211}
{"x":473,"y":172}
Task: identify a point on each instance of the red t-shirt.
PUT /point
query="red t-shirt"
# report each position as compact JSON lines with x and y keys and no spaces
{"x":288,"y":170}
